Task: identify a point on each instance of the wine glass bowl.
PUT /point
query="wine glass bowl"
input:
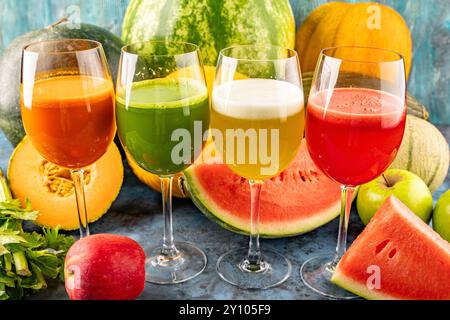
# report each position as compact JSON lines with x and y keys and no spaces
{"x":67,"y":106}
{"x":67,"y":101}
{"x":356,"y":116}
{"x":162,"y":113}
{"x":258,"y":119}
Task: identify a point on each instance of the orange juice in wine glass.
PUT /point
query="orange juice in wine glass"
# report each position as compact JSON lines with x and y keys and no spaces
{"x":70,"y":122}
{"x":67,"y":105}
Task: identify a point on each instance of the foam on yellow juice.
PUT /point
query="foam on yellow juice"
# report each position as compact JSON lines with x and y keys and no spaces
{"x":261,"y":122}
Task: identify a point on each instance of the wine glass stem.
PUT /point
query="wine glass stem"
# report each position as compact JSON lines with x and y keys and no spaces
{"x":78,"y":182}
{"x":254,"y":253}
{"x":168,"y":249}
{"x":347,"y":193}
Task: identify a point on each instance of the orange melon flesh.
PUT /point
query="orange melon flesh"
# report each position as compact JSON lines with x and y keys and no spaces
{"x":413,"y":260}
{"x":298,"y":200}
{"x":56,"y":202}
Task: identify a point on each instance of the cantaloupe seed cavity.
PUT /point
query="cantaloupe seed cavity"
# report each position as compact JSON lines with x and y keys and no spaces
{"x":57,"y":180}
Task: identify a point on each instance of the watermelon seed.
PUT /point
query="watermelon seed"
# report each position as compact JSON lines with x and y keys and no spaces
{"x":392,"y":253}
{"x":301,"y":175}
{"x":381,"y":246}
{"x":312,"y":176}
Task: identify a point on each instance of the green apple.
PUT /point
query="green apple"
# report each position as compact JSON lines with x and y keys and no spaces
{"x":405,"y":185}
{"x":441,"y":216}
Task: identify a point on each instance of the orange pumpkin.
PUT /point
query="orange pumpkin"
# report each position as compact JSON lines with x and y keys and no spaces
{"x":365,"y":24}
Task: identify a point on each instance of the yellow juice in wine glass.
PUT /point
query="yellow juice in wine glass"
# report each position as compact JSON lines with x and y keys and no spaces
{"x":260,"y":123}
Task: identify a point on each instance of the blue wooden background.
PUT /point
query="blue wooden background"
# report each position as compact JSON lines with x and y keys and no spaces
{"x":429,"y":21}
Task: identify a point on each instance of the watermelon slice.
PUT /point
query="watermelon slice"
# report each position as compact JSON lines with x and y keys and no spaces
{"x":298,"y":200}
{"x":409,"y":259}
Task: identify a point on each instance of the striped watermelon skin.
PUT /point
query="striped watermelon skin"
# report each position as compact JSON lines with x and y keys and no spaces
{"x":211,"y":24}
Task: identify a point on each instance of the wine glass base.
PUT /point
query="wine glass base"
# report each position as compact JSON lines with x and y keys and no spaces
{"x":316,"y":274}
{"x":190,"y":262}
{"x":234,"y":269}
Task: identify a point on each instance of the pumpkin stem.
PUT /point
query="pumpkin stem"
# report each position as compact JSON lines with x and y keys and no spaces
{"x":62,"y":20}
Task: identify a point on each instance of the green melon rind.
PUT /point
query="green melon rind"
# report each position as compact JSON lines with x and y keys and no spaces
{"x":274,"y":230}
{"x":357,"y":288}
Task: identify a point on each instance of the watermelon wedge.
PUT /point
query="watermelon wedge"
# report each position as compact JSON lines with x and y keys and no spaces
{"x":397,"y":256}
{"x":296,"y":201}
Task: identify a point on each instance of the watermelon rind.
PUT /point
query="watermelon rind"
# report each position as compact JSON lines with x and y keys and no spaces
{"x":237,"y":225}
{"x":357,"y":288}
{"x":211,"y":24}
{"x":344,"y":276}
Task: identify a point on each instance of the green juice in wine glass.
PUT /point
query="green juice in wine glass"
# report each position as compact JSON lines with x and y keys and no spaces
{"x":157,"y":108}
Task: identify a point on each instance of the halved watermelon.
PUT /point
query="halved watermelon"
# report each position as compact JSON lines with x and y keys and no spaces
{"x":298,"y":200}
{"x":410,"y":260}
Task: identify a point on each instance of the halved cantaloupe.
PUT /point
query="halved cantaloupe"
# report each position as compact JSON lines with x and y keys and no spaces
{"x":50,"y":188}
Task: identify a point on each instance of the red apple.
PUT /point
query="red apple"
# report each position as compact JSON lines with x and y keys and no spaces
{"x":105,"y":267}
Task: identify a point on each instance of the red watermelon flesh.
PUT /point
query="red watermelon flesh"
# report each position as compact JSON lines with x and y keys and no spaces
{"x":412,"y":261}
{"x":296,"y":201}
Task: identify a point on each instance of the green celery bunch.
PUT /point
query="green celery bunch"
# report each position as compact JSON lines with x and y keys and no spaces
{"x":27,"y":259}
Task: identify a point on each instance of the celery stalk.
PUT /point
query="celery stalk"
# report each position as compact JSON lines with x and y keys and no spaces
{"x":19,"y":258}
{"x":21,"y":264}
{"x":5,"y":193}
{"x":8,"y":262}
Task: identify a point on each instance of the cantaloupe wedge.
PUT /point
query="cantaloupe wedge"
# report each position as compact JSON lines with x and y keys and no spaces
{"x":50,"y":188}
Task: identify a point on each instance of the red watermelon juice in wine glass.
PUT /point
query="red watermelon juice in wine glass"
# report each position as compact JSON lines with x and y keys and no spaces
{"x":355,"y":120}
{"x":359,"y":137}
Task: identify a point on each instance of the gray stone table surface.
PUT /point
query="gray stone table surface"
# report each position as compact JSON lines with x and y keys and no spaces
{"x":137,"y":213}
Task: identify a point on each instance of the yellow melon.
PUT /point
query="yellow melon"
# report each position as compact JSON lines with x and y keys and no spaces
{"x":152,"y":180}
{"x":50,"y":188}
